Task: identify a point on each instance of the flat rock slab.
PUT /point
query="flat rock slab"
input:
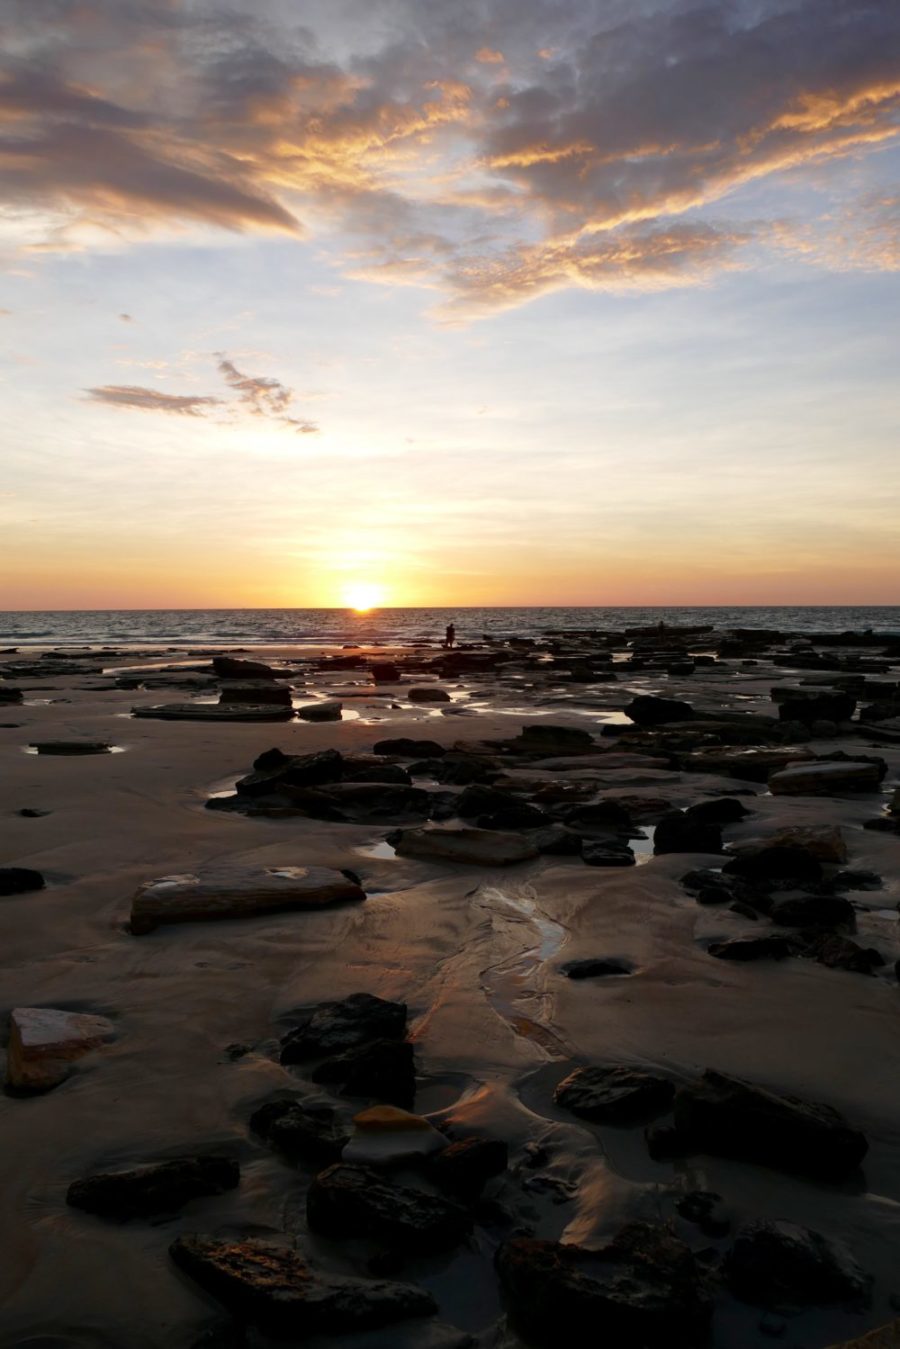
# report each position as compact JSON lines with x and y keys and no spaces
{"x":44,"y":1043}
{"x":273,"y":1287}
{"x":614,"y":1095}
{"x":70,"y":747}
{"x":213,"y":712}
{"x":158,"y":1187}
{"x":481,"y":847}
{"x":329,"y":709}
{"x":429,"y":693}
{"x":238,"y":892}
{"x":826,"y":778}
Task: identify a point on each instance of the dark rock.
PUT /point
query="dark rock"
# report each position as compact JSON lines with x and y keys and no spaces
{"x":384,"y":672}
{"x":719,"y":810}
{"x":464,"y":1168}
{"x":478,"y":799}
{"x":8,"y":694}
{"x":597,"y":853}
{"x":227,"y":667}
{"x":383,"y":1069}
{"x":555,"y":840}
{"x":519,"y":815}
{"x":594,"y":967}
{"x":543,"y":738}
{"x":273,"y":1287}
{"x":828,"y":911}
{"x":392,"y":773}
{"x":429,"y":693}
{"x":778,"y":1264}
{"x":19,"y":880}
{"x":160,"y":1187}
{"x":257,"y":692}
{"x":327,"y":709}
{"x":332,"y":1027}
{"x":31,"y":813}
{"x":754,"y":948}
{"x":770,"y":865}
{"x":678,"y":832}
{"x":614,"y":1095}
{"x":296,"y":770}
{"x":357,"y":1201}
{"x":840,"y":953}
{"x":644,"y":1289}
{"x":856,"y":880}
{"x":606,"y":815}
{"x":728,"y":1117}
{"x":810,"y":707}
{"x":71,"y":747}
{"x":405,"y":748}
{"x":302,"y":1131}
{"x":648,"y":710}
{"x":704,"y":1209}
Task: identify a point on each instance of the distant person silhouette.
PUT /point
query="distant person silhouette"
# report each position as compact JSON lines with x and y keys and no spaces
{"x":451,"y":636}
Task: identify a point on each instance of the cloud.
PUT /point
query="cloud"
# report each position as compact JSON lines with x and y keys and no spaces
{"x":151,"y":400}
{"x":256,"y":396}
{"x":494,"y":151}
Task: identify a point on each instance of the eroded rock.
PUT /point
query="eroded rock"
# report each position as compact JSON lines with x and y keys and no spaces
{"x":238,"y":892}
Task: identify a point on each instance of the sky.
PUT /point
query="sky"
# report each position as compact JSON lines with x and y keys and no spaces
{"x":327,"y":302}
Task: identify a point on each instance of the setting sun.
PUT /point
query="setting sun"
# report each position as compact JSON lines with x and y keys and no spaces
{"x":363,"y":595}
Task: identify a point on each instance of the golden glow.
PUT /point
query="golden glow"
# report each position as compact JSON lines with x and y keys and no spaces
{"x":363,"y":596}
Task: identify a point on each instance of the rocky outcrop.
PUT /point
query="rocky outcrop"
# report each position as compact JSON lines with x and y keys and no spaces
{"x":158,"y":1187}
{"x":273,"y":1287}
{"x":238,"y":892}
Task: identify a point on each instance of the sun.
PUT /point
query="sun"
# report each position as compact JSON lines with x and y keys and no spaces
{"x":363,"y":596}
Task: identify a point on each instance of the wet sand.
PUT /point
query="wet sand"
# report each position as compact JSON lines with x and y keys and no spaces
{"x":474,"y":951}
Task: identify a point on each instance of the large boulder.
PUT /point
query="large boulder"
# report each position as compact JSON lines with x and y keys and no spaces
{"x":779,"y":1264}
{"x":384,"y":672}
{"x":238,"y":892}
{"x":295,"y":770}
{"x":645,"y":1288}
{"x":648,"y":710}
{"x":273,"y":1287}
{"x":729,"y":1117}
{"x":158,"y":1187}
{"x":480,"y":847}
{"x":357,"y":1201}
{"x":332,"y":1027}
{"x":615,"y":1094}
{"x":44,"y":1043}
{"x":69,"y":748}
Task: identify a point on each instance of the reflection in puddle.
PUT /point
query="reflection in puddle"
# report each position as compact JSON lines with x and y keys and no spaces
{"x":382,"y":851}
{"x":643,"y":847}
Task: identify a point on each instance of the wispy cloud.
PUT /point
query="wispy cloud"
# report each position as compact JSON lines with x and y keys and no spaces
{"x":262,"y":396}
{"x":151,"y":400}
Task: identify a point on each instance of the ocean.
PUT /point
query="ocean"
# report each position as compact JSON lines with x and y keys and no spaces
{"x":289,"y":627}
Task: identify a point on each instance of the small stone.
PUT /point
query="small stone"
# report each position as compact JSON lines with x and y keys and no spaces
{"x":19,"y":880}
{"x":386,"y":1135}
{"x":430,"y":693}
{"x":71,"y":747}
{"x":302,"y":1130}
{"x":594,"y":967}
{"x":753,"y":948}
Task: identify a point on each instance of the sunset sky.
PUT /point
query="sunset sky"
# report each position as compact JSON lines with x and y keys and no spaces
{"x":468,"y":301}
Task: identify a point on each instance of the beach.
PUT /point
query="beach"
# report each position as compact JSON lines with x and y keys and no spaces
{"x":198,"y":1009}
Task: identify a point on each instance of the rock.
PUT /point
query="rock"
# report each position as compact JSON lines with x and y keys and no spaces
{"x":728,"y":1117}
{"x":31,"y":813}
{"x":301,"y":1130}
{"x":828,"y":911}
{"x":779,"y":1264}
{"x":392,"y":773}
{"x":332,"y":1027}
{"x":462,"y":1169}
{"x":9,"y":694}
{"x":643,"y":1289}
{"x":19,"y":880}
{"x":404,"y":748}
{"x":826,"y":777}
{"x":228,"y":667}
{"x":429,"y":693}
{"x":597,"y":853}
{"x":856,"y":880}
{"x":356,"y":1201}
{"x":328,"y":709}
{"x":747,"y":765}
{"x":385,"y":672}
{"x":614,"y":1095}
{"x":604,"y":815}
{"x":773,"y":865}
{"x":811,"y":705}
{"x":256,"y":692}
{"x":159,"y":1187}
{"x":384,"y":1135}
{"x":273,"y":1287}
{"x":481,"y":847}
{"x":648,"y":710}
{"x":296,"y":770}
{"x":678,"y":832}
{"x":704,"y":1209}
{"x":71,"y":747}
{"x":754,"y":948}
{"x":382,"y":1069}
{"x":840,"y":953}
{"x":213,"y":712}
{"x":543,"y":738}
{"x":824,"y":842}
{"x":719,"y":810}
{"x":594,"y":967}
{"x":238,"y":892}
{"x":44,"y":1043}
{"x":519,"y":815}
{"x":365,"y":802}
{"x":885,"y":1337}
{"x":556,"y":841}
{"x":478,"y":799}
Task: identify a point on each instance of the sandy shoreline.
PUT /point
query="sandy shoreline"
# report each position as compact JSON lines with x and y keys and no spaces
{"x":474,"y":951}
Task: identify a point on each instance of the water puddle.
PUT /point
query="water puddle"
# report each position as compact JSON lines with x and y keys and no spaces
{"x":380,"y":851}
{"x":643,"y":847}
{"x":511,"y":986}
